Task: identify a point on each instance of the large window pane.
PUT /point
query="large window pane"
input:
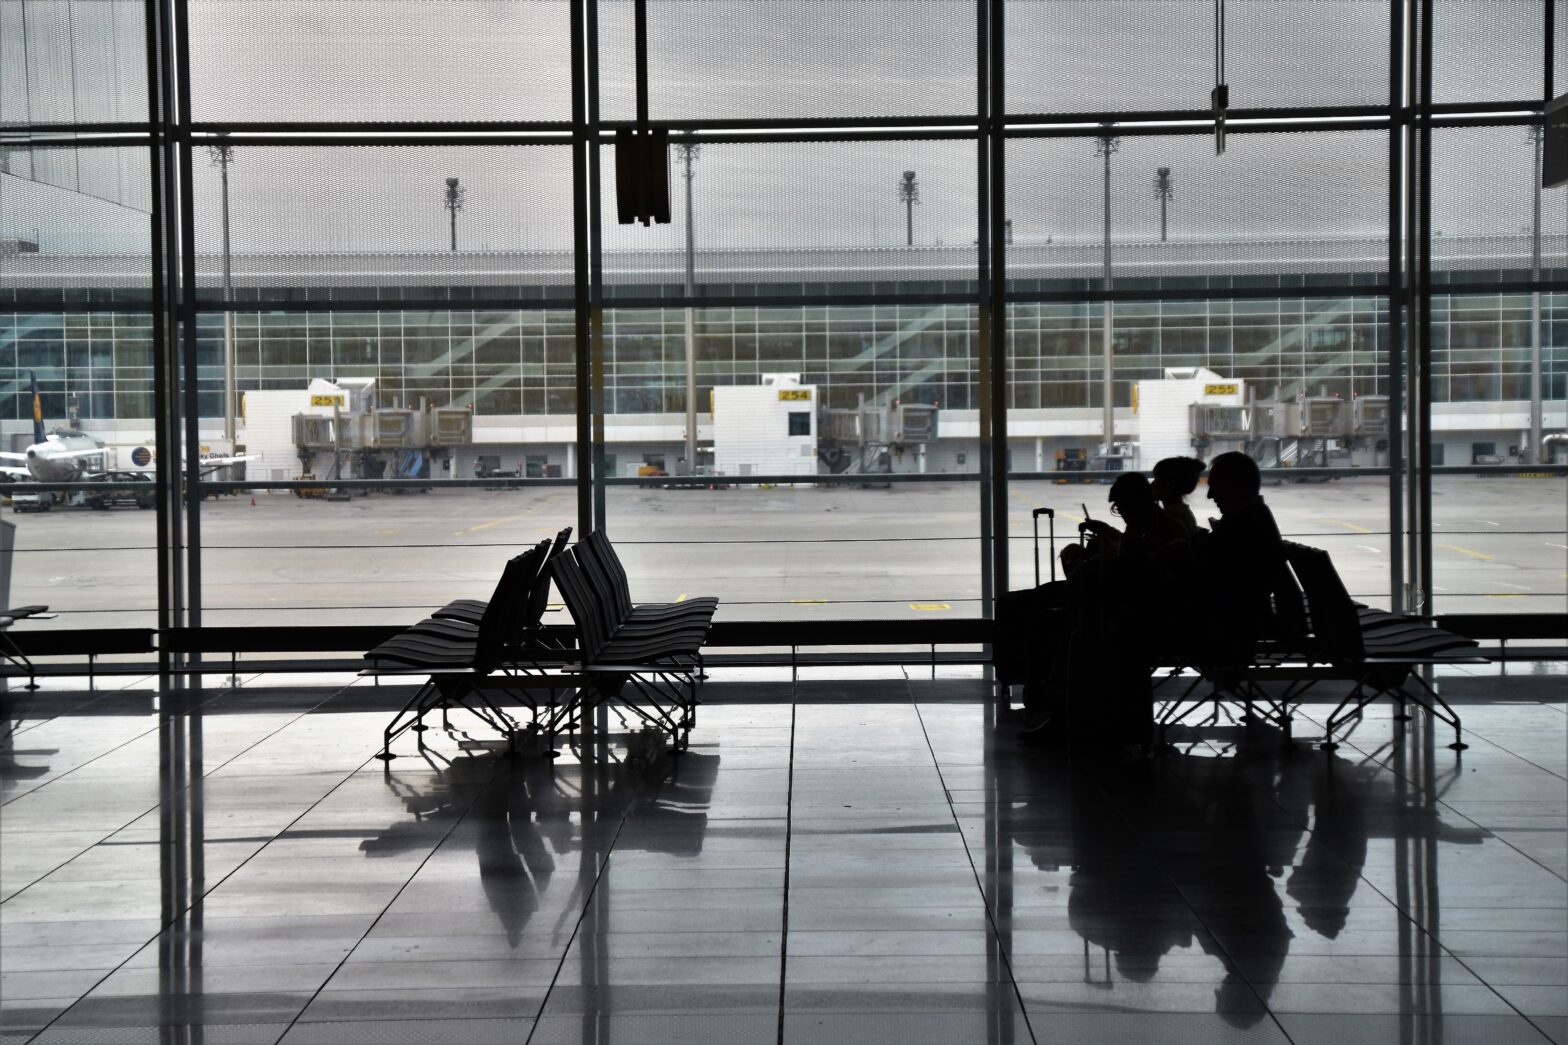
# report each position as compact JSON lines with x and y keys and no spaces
{"x":813,"y":220}
{"x":372,"y":224}
{"x":760,"y":59}
{"x":402,"y":60}
{"x":1132,"y":55}
{"x":1276,"y":211}
{"x":785,"y":395}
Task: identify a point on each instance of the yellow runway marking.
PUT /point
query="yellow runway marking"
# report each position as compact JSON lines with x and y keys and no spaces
{"x":809,"y":602}
{"x":1350,"y":526}
{"x":682,"y":597}
{"x":509,"y":518}
{"x":386,"y":533}
{"x":929,"y":607}
{"x":1466,"y":551}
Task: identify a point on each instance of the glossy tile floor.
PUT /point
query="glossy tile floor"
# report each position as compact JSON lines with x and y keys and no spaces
{"x":864,"y":862}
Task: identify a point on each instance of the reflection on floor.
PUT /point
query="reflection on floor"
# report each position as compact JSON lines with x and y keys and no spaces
{"x":870,"y":861}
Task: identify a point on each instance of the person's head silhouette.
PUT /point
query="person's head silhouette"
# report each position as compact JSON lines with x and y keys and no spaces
{"x":1133,"y":498}
{"x":1175,"y":478}
{"x":1233,"y":480}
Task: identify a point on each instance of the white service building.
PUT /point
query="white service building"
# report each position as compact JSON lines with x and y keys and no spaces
{"x":765,"y":429}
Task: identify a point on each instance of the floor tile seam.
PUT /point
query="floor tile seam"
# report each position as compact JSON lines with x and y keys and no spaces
{"x":1415,"y":925}
{"x":18,"y":730}
{"x":1386,"y":764}
{"x":1494,"y":989}
{"x":985,"y":903}
{"x":185,"y":713}
{"x":102,"y":754}
{"x":1476,"y":735}
{"x":338,"y":967}
{"x":582,"y":913}
{"x":166,"y":799}
{"x":198,"y":900}
{"x":789,"y":821}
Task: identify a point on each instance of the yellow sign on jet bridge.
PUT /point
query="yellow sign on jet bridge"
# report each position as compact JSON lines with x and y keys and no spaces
{"x":1220,"y":390}
{"x":794,"y":395}
{"x":326,"y":400}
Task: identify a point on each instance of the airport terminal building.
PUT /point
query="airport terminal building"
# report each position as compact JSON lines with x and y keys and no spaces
{"x":867,"y":337}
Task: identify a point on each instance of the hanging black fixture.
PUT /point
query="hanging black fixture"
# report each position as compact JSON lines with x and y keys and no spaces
{"x":1219,"y":98}
{"x":642,"y":169}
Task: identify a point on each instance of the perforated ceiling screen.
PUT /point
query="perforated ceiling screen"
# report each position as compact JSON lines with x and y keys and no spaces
{"x":308,"y":219}
{"x":1488,"y":50}
{"x":72,"y":62}
{"x":738,"y":59}
{"x":1132,"y":55}
{"x":1483,"y":202}
{"x":783,"y":216}
{"x":1281,"y":206}
{"x":364,"y":60}
{"x":65,"y":203}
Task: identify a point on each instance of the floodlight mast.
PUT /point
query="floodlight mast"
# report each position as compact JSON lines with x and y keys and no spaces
{"x":1164,"y":189}
{"x":687,"y":152}
{"x":1537,"y":136}
{"x":909,"y":194}
{"x":1106,"y":146}
{"x":222,"y":154}
{"x":453,"y":204}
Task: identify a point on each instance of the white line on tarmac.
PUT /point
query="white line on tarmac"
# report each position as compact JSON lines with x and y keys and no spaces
{"x":1369,"y":548}
{"x":1564,"y":547}
{"x":1516,"y":587}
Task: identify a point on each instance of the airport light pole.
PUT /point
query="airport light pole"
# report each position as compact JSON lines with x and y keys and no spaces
{"x":222,"y":154}
{"x":453,"y":204}
{"x":688,"y":151}
{"x":1106,"y":146}
{"x":1164,"y":189}
{"x":909,"y":195}
{"x":1537,"y":133}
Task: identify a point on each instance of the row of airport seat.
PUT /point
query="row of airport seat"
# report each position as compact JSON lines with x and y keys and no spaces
{"x":1324,"y":636}
{"x":495,"y":658}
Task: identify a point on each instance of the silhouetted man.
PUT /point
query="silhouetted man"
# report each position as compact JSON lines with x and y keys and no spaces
{"x":1243,"y":558}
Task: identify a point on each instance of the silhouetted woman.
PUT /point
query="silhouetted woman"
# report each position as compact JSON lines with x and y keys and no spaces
{"x":1174,"y":479}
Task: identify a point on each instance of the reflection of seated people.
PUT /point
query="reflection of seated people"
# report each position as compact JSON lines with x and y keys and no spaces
{"x":1174,"y":479}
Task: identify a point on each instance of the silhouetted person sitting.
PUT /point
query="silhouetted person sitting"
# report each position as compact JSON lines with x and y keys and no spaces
{"x":1242,"y":560}
{"x":1174,"y":479}
{"x":1122,"y":592}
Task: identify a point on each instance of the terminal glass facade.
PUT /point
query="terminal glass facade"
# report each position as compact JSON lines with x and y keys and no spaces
{"x":1005,"y":211}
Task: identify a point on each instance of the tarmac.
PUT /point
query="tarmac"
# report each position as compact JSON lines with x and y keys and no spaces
{"x":787,"y":553}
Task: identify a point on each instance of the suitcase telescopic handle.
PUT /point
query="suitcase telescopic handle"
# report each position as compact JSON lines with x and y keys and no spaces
{"x":1050,"y":514}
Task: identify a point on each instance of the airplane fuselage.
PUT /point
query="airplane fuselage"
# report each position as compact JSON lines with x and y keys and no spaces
{"x":60,"y":458}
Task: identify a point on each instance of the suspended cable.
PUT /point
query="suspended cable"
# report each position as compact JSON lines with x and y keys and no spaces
{"x":1219,"y":98}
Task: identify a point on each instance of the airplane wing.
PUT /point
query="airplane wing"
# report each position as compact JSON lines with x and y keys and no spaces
{"x":7,"y":456}
{"x":16,"y":471}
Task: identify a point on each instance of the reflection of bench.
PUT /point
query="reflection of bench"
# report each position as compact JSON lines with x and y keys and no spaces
{"x":461,"y":660}
{"x":1331,"y":638}
{"x":656,"y":649}
{"x":8,"y":649}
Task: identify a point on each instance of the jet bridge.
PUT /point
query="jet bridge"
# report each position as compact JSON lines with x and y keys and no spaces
{"x":867,"y":438}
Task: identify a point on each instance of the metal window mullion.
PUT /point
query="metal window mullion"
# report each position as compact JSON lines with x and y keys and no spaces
{"x":190,"y":459}
{"x":996,"y":212}
{"x":163,"y":307}
{"x":594,"y":395}
{"x":984,"y":144}
{"x":580,"y":304}
{"x":1395,"y":348}
{"x":1421,"y":365}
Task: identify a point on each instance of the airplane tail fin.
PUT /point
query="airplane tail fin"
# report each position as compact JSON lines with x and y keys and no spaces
{"x":39,"y":435}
